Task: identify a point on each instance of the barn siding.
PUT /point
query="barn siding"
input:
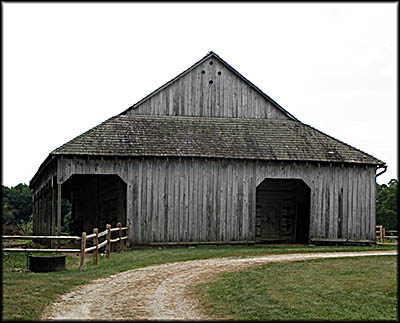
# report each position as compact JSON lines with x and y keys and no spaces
{"x":173,"y":200}
{"x":193,"y":95}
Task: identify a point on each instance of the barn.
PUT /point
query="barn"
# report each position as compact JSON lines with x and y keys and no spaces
{"x":210,"y":158}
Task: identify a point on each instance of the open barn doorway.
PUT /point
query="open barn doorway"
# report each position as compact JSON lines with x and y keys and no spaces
{"x":282,"y":211}
{"x":96,"y":200}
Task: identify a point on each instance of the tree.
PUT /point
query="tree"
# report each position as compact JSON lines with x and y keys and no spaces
{"x":17,"y":203}
{"x":386,"y":204}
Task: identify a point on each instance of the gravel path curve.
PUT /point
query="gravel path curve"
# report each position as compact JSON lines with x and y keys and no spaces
{"x":161,"y":292}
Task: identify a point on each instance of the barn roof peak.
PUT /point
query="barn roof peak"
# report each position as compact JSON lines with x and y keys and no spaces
{"x":215,"y":56}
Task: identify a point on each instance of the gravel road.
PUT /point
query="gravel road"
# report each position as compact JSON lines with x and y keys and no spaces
{"x":161,"y":292}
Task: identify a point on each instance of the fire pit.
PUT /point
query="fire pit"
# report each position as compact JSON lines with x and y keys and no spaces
{"x":41,"y":264}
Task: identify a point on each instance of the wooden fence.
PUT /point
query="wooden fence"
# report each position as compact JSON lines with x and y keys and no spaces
{"x":95,"y":236}
{"x":382,"y":235}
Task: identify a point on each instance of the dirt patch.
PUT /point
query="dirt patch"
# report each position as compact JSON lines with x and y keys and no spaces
{"x":162,"y":292}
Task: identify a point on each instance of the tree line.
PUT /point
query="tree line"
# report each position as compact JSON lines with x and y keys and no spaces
{"x":386,"y":204}
{"x":17,"y":205}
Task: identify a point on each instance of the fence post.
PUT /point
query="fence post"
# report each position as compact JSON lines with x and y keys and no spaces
{"x":96,"y":243}
{"x":83,"y":247}
{"x":127,"y":238}
{"x":108,"y":237}
{"x":379,"y":233}
{"x":119,"y":237}
{"x":383,"y":234}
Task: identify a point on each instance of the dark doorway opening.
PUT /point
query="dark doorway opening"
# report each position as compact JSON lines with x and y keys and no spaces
{"x":282,"y":211}
{"x":96,"y":200}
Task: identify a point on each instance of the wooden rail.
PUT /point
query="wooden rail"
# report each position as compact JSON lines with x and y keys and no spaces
{"x":84,"y":238}
{"x":42,"y":237}
{"x":382,"y":235}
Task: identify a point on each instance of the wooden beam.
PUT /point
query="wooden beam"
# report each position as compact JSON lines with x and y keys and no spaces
{"x":59,"y":211}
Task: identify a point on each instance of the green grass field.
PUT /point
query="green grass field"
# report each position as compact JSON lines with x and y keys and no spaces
{"x":25,"y":294}
{"x":362,"y":288}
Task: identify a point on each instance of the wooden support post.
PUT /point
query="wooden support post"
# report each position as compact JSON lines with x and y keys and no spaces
{"x":119,"y":237}
{"x":83,"y":247}
{"x":53,"y":212}
{"x":96,"y":243}
{"x":127,"y":238}
{"x":108,"y":237}
{"x":383,"y":234}
{"x":380,"y":233}
{"x":59,"y":212}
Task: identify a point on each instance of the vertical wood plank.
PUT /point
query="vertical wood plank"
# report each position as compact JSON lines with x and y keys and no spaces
{"x":171,"y":200}
{"x":234,"y":226}
{"x":58,"y":209}
{"x":195,"y":198}
{"x":222,"y":198}
{"x":181,"y":194}
{"x":240,"y":213}
{"x":176,"y":206}
{"x":245,"y":212}
{"x":229,"y":213}
{"x":204,"y":202}
{"x":186,"y":199}
{"x":350,"y":205}
{"x":155,"y":198}
{"x":216,"y":202}
{"x":161,"y":201}
{"x":190,"y":206}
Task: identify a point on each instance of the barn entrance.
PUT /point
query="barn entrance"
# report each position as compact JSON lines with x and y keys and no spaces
{"x":282,"y":211}
{"x":96,"y":200}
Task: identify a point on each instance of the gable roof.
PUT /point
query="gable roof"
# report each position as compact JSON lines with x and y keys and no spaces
{"x":214,"y":56}
{"x":177,"y":136}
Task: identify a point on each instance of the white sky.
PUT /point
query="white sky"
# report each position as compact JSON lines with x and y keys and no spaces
{"x":68,"y":67}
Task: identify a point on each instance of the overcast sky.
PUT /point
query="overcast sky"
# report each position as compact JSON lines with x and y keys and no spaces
{"x":68,"y":67}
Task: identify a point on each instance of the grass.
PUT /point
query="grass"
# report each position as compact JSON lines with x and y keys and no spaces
{"x":362,"y":288}
{"x":26,"y":294}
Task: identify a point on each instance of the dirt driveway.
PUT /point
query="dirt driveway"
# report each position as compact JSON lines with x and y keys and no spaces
{"x":161,"y":292}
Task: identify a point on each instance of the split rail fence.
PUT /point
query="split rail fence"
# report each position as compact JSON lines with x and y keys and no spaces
{"x":382,"y":235}
{"x":95,"y":236}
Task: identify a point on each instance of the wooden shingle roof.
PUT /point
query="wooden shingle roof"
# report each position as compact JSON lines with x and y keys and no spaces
{"x":177,"y":136}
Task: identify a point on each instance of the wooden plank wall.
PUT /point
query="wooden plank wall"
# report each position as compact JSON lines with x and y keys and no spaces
{"x":173,"y":200}
{"x":214,"y":200}
{"x":44,"y":199}
{"x":193,"y":95}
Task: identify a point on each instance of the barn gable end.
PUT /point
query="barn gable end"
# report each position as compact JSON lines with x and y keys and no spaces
{"x":210,"y":88}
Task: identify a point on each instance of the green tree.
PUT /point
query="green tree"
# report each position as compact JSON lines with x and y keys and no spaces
{"x":17,"y":203}
{"x":386,"y":204}
{"x":7,"y":213}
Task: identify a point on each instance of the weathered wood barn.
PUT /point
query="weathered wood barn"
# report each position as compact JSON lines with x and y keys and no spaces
{"x":208,"y":157}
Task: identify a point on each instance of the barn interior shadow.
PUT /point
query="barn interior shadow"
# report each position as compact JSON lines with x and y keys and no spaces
{"x":96,"y":200}
{"x":282,"y":211}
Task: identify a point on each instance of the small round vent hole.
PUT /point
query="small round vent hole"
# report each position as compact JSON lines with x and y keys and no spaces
{"x":211,"y":62}
{"x":203,"y":72}
{"x":219,"y":73}
{"x":211,"y":82}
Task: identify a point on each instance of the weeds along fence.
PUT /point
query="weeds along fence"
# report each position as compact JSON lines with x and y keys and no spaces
{"x":96,"y":236}
{"x":382,"y":235}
